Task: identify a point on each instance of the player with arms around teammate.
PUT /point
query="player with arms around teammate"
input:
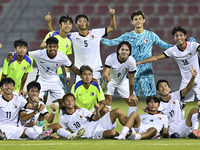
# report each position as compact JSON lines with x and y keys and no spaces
{"x":10,"y":105}
{"x":48,"y":62}
{"x":86,"y":43}
{"x":146,"y":126}
{"x":95,"y":128}
{"x":117,"y":67}
{"x":142,"y":42}
{"x":19,"y":67}
{"x":186,"y":55}
{"x":65,"y":43}
{"x":88,"y":92}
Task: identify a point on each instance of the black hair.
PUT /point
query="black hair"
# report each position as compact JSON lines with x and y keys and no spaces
{"x":33,"y":84}
{"x":80,"y":16}
{"x":136,"y":13}
{"x":52,"y":40}
{"x":66,"y":95}
{"x":159,"y":81}
{"x":85,"y":67}
{"x":122,"y":43}
{"x":7,"y":81}
{"x":20,"y":42}
{"x":154,"y":98}
{"x":65,"y":19}
{"x":179,"y":28}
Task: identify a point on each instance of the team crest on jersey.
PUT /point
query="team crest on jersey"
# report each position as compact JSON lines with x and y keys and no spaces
{"x":66,"y":46}
{"x":56,"y":65}
{"x":92,"y":36}
{"x":189,"y":54}
{"x":24,"y":68}
{"x":125,"y":69}
{"x":146,"y":41}
{"x":15,"y":107}
{"x":173,"y":103}
{"x":92,"y":93}
{"x":159,"y":118}
{"x":80,"y":117}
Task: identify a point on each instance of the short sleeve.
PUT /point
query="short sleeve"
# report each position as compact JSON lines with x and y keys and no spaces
{"x":108,"y":62}
{"x":132,"y":66}
{"x":30,"y":68}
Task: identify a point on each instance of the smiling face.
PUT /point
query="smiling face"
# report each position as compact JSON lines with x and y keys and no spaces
{"x":179,"y":37}
{"x":163,"y":89}
{"x":69,"y":102}
{"x":123,"y":53}
{"x":82,"y":23}
{"x":66,"y":26}
{"x":52,"y":50}
{"x":138,"y":21}
{"x":7,"y":88}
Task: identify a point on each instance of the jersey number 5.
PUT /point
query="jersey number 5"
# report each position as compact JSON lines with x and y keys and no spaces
{"x":85,"y":43}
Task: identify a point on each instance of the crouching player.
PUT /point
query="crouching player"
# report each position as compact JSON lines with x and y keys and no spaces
{"x":10,"y":105}
{"x":146,"y":126}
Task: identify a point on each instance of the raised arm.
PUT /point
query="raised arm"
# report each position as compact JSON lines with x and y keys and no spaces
{"x":113,"y":24}
{"x":49,"y":21}
{"x":151,"y":59}
{"x":191,"y":83}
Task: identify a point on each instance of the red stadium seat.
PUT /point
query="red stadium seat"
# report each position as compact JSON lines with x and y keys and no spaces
{"x":160,"y":33}
{"x":148,"y":10}
{"x":192,"y":10}
{"x":123,"y":22}
{"x":131,"y":9}
{"x":119,"y":9}
{"x":88,"y":9}
{"x":58,"y":10}
{"x":102,"y":10}
{"x":1,"y":9}
{"x":35,"y":45}
{"x":73,"y":10}
{"x":114,"y":34}
{"x":95,"y":22}
{"x":177,"y":10}
{"x":168,"y":22}
{"x":42,"y":33}
{"x":153,"y":22}
{"x":196,"y":22}
{"x":163,"y":10}
{"x":183,"y":21}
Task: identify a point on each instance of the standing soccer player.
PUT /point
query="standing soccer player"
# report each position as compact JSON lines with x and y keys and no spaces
{"x":119,"y":66}
{"x":19,"y":68}
{"x":186,"y":55}
{"x":86,"y":43}
{"x":48,"y":62}
{"x":142,"y":42}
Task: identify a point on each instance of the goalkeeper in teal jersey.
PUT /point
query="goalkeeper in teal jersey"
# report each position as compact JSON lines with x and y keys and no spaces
{"x":142,"y":42}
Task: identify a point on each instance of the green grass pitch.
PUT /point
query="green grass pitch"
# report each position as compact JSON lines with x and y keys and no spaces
{"x":88,"y":144}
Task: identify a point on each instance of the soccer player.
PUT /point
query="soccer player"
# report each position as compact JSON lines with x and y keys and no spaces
{"x":186,"y":55}
{"x":48,"y":62}
{"x":142,"y":42}
{"x":86,"y":43}
{"x":20,"y":66}
{"x":170,"y":105}
{"x":28,"y":117}
{"x":118,"y":66}
{"x":64,"y":45}
{"x":10,"y":105}
{"x":73,"y":119}
{"x":88,"y":92}
{"x":146,"y":126}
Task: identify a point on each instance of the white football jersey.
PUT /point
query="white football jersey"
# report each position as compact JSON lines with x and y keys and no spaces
{"x":185,"y":59}
{"x":35,"y":117}
{"x":172,"y":108}
{"x":9,"y":110}
{"x":158,"y":120}
{"x":48,"y":67}
{"x":87,"y":49}
{"x":119,"y":71}
{"x":79,"y":119}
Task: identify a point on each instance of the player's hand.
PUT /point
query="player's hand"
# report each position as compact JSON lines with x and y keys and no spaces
{"x":193,"y":71}
{"x":67,"y":81}
{"x":48,"y":17}
{"x":22,"y":92}
{"x":144,"y":107}
{"x":10,"y":57}
{"x":0,"y":45}
{"x":53,"y":106}
{"x":137,"y":63}
{"x":133,"y":98}
{"x":41,"y":107}
{"x":166,"y":130}
{"x":108,"y":78}
{"x":111,"y":11}
{"x":96,"y":106}
{"x":94,"y":80}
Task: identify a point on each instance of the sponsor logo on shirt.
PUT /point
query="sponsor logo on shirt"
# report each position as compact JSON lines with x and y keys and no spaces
{"x":66,"y":45}
{"x":92,"y":93}
{"x":24,"y":68}
{"x":42,"y":62}
{"x":146,"y":41}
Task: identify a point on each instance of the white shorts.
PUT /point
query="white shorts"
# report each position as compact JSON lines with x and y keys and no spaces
{"x":180,"y":128}
{"x":143,"y":128}
{"x":103,"y":124}
{"x":122,"y":88}
{"x":96,"y":75}
{"x":12,"y":131}
{"x":55,"y":89}
{"x":191,"y":95}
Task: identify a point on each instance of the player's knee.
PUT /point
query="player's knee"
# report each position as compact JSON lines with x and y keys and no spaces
{"x":105,"y":110}
{"x":113,"y":133}
{"x":134,"y":115}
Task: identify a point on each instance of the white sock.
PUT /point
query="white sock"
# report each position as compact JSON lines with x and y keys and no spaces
{"x":124,"y":131}
{"x":132,"y":109}
{"x":64,"y":133}
{"x":37,"y":129}
{"x":133,"y":130}
{"x":30,"y":132}
{"x":195,"y":121}
{"x":109,"y":107}
{"x":137,"y":136}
